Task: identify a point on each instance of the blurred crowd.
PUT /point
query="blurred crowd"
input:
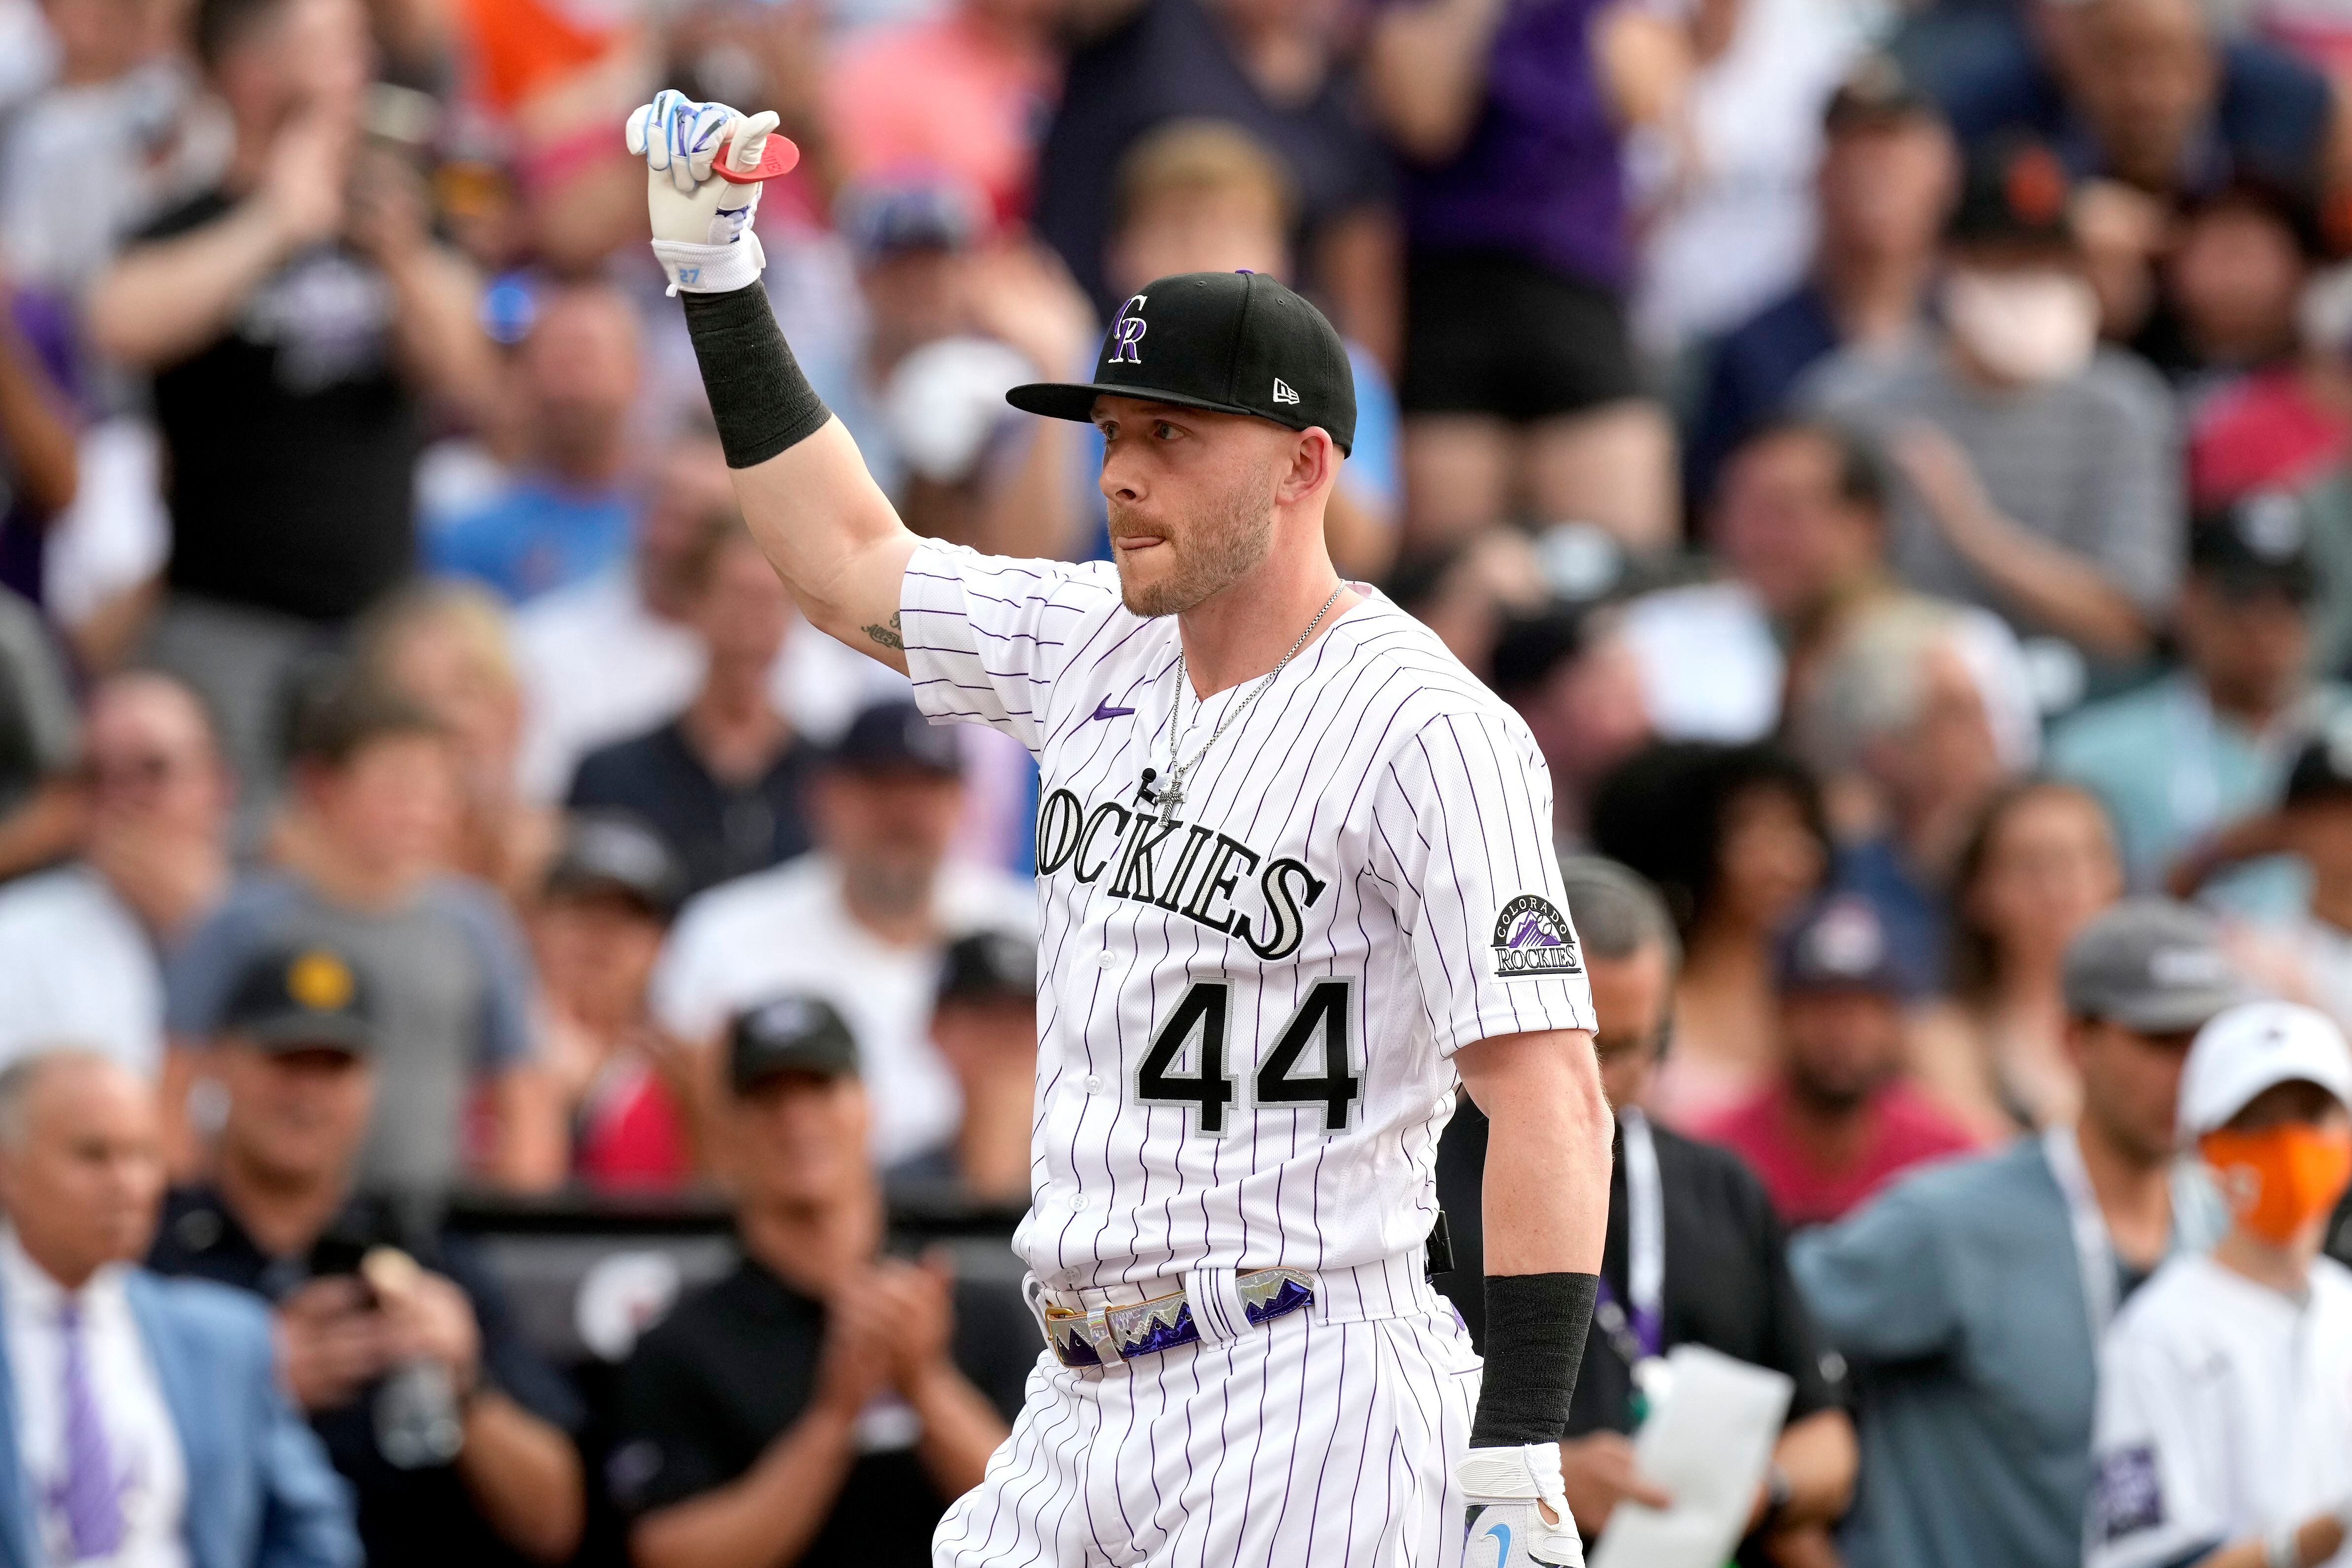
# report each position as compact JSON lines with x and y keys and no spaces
{"x":1896,"y":459}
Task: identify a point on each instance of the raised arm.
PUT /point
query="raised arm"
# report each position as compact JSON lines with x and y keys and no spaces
{"x":825,"y":525}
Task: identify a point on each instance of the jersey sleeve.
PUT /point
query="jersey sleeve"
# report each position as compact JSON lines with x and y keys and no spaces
{"x":986,"y":635}
{"x":1461,"y":837}
{"x":2158,"y":1480}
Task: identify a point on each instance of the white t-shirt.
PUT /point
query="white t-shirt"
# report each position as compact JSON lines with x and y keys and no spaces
{"x":763,"y":936}
{"x":1246,"y":1007}
{"x":77,"y":969}
{"x":2225,"y":1412}
{"x":597,"y":666}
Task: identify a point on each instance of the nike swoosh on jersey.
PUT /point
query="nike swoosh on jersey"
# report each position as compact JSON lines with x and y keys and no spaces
{"x":1103,"y":709}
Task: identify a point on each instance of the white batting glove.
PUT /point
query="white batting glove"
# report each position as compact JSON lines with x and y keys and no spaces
{"x":702,"y":224}
{"x":1503,"y":1489}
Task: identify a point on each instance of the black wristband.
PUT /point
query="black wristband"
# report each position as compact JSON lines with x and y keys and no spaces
{"x":762,"y":401}
{"x":1535,"y":1325}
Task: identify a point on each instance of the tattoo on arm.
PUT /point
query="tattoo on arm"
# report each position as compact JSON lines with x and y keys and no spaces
{"x":888,"y":636}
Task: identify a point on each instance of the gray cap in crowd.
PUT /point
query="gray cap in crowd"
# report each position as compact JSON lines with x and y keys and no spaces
{"x":2153,"y":966}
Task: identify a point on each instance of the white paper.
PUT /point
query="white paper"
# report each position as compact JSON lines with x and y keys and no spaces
{"x":1707,"y":1445}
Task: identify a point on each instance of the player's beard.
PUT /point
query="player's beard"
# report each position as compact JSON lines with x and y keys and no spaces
{"x":1223,"y":541}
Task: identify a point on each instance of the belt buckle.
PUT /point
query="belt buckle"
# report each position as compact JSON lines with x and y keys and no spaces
{"x":1081,"y":1338}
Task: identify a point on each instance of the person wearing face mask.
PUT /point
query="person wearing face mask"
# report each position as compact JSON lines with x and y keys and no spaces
{"x":2040,"y":471}
{"x":2224,"y":1433}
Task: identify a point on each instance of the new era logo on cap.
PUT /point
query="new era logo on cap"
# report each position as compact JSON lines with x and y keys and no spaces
{"x":1282,"y":393}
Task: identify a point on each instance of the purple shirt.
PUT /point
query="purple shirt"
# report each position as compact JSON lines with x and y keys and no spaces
{"x":1540,"y":177}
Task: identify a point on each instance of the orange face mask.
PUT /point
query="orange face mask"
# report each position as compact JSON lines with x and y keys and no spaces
{"x":2278,"y":1177}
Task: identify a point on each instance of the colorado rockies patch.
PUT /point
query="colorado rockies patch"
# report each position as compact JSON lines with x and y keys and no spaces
{"x":2126,"y":1495}
{"x":1532,"y":940}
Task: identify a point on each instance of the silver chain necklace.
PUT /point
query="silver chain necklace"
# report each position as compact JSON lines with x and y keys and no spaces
{"x":1172,"y":794}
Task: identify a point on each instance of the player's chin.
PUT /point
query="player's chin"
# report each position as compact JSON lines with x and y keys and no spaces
{"x":1149,"y":581}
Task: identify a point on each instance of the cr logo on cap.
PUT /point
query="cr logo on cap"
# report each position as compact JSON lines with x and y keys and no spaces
{"x":1126,"y":334}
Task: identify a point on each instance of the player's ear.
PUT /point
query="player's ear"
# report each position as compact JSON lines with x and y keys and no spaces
{"x":1314,"y":464}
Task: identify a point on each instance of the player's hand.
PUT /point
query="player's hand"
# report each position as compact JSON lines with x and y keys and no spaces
{"x":1517,"y":1512}
{"x":1598,"y":1473}
{"x":701,"y":223}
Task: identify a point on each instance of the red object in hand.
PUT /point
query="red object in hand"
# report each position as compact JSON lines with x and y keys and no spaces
{"x":776,"y":157}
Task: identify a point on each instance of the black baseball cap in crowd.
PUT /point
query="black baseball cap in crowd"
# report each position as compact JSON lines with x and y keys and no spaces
{"x":1232,"y":342}
{"x":298,"y":997}
{"x":788,"y":1034}
{"x":990,"y":966}
{"x":615,"y":852}
{"x":2262,"y":545}
{"x":1875,"y":94}
{"x":1840,"y":942}
{"x":2013,"y":191}
{"x":895,"y":737}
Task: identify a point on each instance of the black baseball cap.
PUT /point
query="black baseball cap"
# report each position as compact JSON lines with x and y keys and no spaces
{"x":615,"y":852}
{"x":2262,"y":545}
{"x":2013,"y":191}
{"x":1232,"y":342}
{"x":1840,"y":942}
{"x":893,"y":737}
{"x":990,"y":966}
{"x":788,"y":1034}
{"x":2323,"y":769}
{"x":1876,"y":93}
{"x":296,"y":996}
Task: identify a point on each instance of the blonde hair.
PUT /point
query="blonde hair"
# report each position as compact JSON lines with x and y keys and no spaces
{"x":464,"y":615}
{"x":1202,"y":158}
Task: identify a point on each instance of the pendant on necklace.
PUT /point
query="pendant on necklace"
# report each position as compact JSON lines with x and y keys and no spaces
{"x":1171,"y":796}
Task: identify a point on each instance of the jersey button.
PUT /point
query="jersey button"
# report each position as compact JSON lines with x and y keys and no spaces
{"x":1094,"y":1083}
{"x":1106,"y":961}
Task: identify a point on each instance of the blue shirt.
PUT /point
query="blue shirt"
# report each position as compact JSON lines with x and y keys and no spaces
{"x":2170,"y":772}
{"x":536,"y":537}
{"x":1957,"y":1295}
{"x":1749,"y":375}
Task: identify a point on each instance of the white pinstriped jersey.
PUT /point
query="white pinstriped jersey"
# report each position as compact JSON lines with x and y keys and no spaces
{"x":1246,"y":1014}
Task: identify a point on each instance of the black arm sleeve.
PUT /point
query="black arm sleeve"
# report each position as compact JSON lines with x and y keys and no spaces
{"x":1535,"y":1329}
{"x":762,"y":401}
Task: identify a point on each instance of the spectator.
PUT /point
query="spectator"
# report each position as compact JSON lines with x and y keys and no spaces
{"x":1200,"y":196}
{"x":597,"y":930}
{"x":887,"y":1383}
{"x":80,"y":945}
{"x":375,"y":804}
{"x":362,"y":1300}
{"x":1727,"y":191}
{"x":2224,"y":1433}
{"x":1519,"y":388}
{"x":1970,"y":1299}
{"x":444,"y":647}
{"x":1467,"y":590}
{"x":40,"y":805}
{"x":1886,"y":179}
{"x":1273,"y":68}
{"x":2040,"y":467}
{"x":296,"y":318}
{"x":2183,"y":757}
{"x":985,"y":1021}
{"x":2145,"y":93}
{"x":184,"y":1449}
{"x":2288,"y":422}
{"x":2039,"y":864}
{"x":1734,"y":839}
{"x":1841,"y":1120}
{"x":1724,"y":1280}
{"x":725,"y":783}
{"x":2227,"y":292}
{"x":963,"y":91}
{"x":118,"y":76}
{"x":1899,"y":723}
{"x":613,"y":656}
{"x":862,"y":922}
{"x":568,"y":514}
{"x":1575,"y":677}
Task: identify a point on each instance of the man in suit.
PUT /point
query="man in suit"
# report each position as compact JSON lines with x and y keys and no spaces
{"x":140,"y":1419}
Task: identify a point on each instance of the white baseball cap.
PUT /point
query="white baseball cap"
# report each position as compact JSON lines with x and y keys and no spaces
{"x":2250,"y":1049}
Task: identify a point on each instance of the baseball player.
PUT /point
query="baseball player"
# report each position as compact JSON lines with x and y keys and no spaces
{"x":1296,"y":881}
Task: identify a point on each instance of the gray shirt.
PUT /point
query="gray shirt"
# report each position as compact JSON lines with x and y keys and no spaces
{"x":2090,"y":463}
{"x":39,"y":732}
{"x":1958,"y":1298}
{"x":451,"y":985}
